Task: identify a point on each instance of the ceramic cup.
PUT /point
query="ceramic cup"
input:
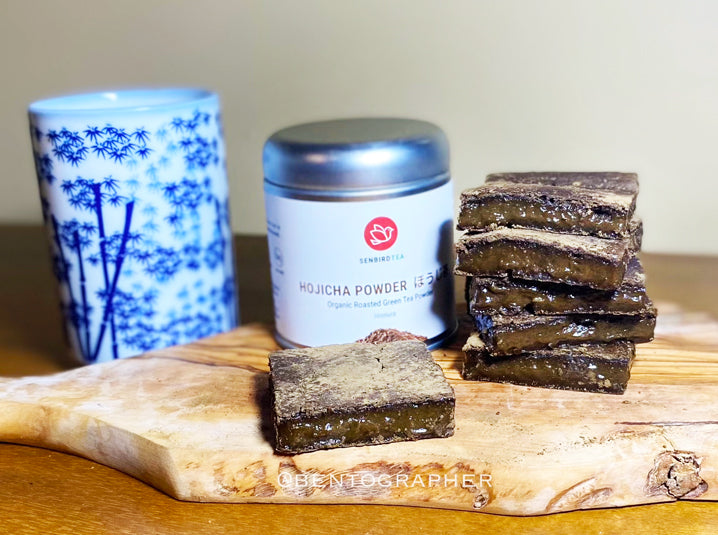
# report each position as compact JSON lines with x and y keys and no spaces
{"x":135,"y":200}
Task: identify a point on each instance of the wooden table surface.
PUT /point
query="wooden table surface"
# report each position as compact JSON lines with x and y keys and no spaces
{"x":42,"y":491}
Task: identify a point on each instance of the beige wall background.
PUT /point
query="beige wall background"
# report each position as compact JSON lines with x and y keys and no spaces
{"x":517,"y":85}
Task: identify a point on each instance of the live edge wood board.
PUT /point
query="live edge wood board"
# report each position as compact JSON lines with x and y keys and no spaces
{"x":194,"y":422}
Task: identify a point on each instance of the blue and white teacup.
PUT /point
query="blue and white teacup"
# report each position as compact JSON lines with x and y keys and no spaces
{"x":135,"y":200}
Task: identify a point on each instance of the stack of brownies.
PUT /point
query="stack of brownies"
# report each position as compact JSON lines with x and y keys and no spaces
{"x":555,"y":287}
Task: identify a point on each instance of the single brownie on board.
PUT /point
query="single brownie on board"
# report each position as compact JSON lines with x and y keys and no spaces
{"x":358,"y":394}
{"x":604,"y":367}
{"x":597,"y":203}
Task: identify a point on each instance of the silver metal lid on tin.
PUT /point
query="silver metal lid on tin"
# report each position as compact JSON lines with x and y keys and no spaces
{"x":352,"y":159}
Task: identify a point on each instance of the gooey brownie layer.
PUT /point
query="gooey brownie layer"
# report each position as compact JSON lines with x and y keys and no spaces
{"x":600,"y":204}
{"x":511,"y":335}
{"x":486,"y":295}
{"x":544,"y":256}
{"x":601,"y":368}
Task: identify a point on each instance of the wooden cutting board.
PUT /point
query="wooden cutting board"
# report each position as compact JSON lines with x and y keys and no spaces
{"x":194,"y":422}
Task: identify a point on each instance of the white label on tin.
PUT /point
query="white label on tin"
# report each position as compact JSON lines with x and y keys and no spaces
{"x":341,"y":270}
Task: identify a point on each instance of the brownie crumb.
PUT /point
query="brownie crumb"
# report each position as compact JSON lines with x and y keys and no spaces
{"x":382,"y":336}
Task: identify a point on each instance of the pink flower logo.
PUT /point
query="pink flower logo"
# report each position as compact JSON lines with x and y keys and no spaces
{"x":380,"y":233}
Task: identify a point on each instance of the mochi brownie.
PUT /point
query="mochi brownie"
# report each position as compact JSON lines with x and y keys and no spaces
{"x":510,"y":335}
{"x":544,"y":256}
{"x":358,"y":394}
{"x":599,"y":204}
{"x":626,"y":183}
{"x":603,"y":368}
{"x":503,"y":295}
